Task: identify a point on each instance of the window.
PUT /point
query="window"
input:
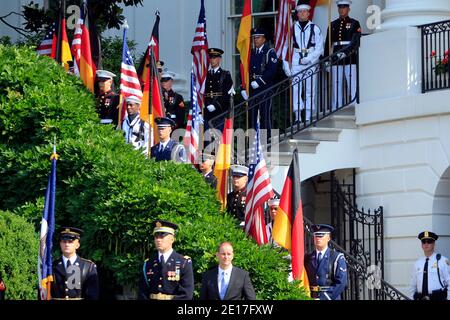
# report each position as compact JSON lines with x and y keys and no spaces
{"x":264,"y":13}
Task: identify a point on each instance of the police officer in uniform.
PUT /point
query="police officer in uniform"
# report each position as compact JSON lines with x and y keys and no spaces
{"x":345,"y":36}
{"x":173,"y":101}
{"x":308,"y":47}
{"x":167,"y":149}
{"x":167,"y":275}
{"x":263,"y":66}
{"x":136,"y":130}
{"x":218,"y":87}
{"x":326,"y":268}
{"x":75,"y":278}
{"x":430,"y":278}
{"x":108,"y":100}
{"x":236,"y":198}
{"x":206,"y":168}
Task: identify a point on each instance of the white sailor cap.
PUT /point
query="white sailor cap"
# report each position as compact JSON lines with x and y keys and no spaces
{"x":273,"y":202}
{"x":239,"y":170}
{"x":104,"y":74}
{"x":303,"y":5}
{"x":133,"y":99}
{"x":167,"y":75}
{"x":343,"y":2}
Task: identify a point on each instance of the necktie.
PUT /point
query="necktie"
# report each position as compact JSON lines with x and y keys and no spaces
{"x":319,"y":257}
{"x":161,"y":147}
{"x":68,"y":264}
{"x":161,"y":259}
{"x":223,"y":286}
{"x":425,"y":278}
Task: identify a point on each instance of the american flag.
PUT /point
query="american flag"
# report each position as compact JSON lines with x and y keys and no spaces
{"x":76,"y":44}
{"x":129,"y":81}
{"x":48,"y":46}
{"x":193,"y":124}
{"x":199,"y":51}
{"x":283,"y":43}
{"x":259,"y":190}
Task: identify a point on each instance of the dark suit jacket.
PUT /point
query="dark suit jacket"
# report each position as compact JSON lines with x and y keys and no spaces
{"x":239,"y":288}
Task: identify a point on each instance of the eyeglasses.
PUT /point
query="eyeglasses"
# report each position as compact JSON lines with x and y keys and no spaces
{"x":427,"y":241}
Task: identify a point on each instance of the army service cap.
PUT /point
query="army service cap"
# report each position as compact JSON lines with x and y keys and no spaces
{"x":215,"y":52}
{"x":427,"y":235}
{"x":164,"y":122}
{"x":164,"y":228}
{"x":70,"y":233}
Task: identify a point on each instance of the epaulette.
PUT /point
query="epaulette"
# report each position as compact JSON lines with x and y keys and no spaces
{"x":87,"y":260}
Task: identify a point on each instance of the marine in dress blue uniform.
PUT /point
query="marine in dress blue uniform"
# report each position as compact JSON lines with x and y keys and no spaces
{"x":218,"y":87}
{"x":108,"y":100}
{"x":167,"y":275}
{"x":236,"y":199}
{"x":173,"y":101}
{"x":206,"y":168}
{"x":75,"y":278}
{"x":326,"y":267}
{"x":430,"y":277}
{"x":263,"y":66}
{"x":345,"y":36}
{"x":167,"y":149}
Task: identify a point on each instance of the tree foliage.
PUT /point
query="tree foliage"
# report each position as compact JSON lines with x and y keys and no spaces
{"x":105,"y":186}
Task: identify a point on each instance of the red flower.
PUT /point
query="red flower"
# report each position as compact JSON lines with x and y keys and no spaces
{"x":445,"y":60}
{"x":447,"y":52}
{"x":433,"y":53}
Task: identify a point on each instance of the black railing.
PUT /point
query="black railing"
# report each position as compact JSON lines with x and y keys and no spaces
{"x":323,"y":88}
{"x":435,"y":53}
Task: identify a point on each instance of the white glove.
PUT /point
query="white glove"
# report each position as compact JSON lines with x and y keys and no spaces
{"x":173,"y":116}
{"x":341,"y":55}
{"x":327,"y":67}
{"x":231,"y":91}
{"x":244,"y":95}
{"x":305,"y":60}
{"x":286,"y":69}
{"x":254,"y":85}
{"x":211,"y":108}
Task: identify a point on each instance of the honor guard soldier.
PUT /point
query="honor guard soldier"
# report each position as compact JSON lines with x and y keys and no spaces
{"x":236,"y":198}
{"x":108,"y":100}
{"x":136,"y":130}
{"x":218,"y":87}
{"x":263,"y":67}
{"x":167,"y":149}
{"x":345,"y":38}
{"x":326,"y":268}
{"x":173,"y":102}
{"x":308,"y":47}
{"x":167,"y":275}
{"x":75,"y":278}
{"x":430,"y":279}
{"x":160,"y":67}
{"x":206,"y":168}
{"x":2,"y":288}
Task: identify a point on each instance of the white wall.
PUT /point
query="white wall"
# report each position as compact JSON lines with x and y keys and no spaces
{"x":14,"y":19}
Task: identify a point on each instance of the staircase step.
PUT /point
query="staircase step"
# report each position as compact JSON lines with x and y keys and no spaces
{"x":338,"y":121}
{"x":303,"y":146}
{"x":348,"y":110}
{"x":318,"y":133}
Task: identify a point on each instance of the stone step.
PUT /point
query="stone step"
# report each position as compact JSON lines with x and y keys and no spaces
{"x":348,"y":110}
{"x":319,"y":134}
{"x":303,"y":146}
{"x":338,"y":121}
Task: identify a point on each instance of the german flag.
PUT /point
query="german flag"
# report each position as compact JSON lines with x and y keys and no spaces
{"x":243,"y":43}
{"x":223,"y":161}
{"x":63,"y":55}
{"x":288,"y":229}
{"x":87,"y":65}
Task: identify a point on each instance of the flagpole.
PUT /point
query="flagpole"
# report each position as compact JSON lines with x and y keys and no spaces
{"x":290,"y":62}
{"x":150,"y":101}
{"x":329,"y":91}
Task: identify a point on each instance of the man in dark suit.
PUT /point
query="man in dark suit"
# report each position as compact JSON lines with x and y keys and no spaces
{"x":206,"y":168}
{"x":167,"y":149}
{"x":225,"y":281}
{"x":326,"y":268}
{"x":75,"y":278}
{"x":167,"y":275}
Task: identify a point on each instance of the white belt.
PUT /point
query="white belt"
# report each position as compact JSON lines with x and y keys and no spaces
{"x":341,"y":43}
{"x":106,"y":121}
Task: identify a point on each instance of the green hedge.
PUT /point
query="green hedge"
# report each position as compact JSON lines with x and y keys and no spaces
{"x":18,"y":256}
{"x":106,"y":187}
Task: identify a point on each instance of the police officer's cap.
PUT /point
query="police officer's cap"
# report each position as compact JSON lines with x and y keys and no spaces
{"x":321,"y":229}
{"x":343,"y":3}
{"x":133,"y":99}
{"x":303,"y":5}
{"x":104,"y":75}
{"x":163,"y":228}
{"x":207,"y":156}
{"x":258,"y":32}
{"x":239,"y":170}
{"x":427,"y":235}
{"x":215,"y":52}
{"x":70,"y":233}
{"x":164,"y":122}
{"x":166,"y":76}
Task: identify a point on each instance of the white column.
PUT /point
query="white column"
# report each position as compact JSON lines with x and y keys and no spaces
{"x":403,"y":13}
